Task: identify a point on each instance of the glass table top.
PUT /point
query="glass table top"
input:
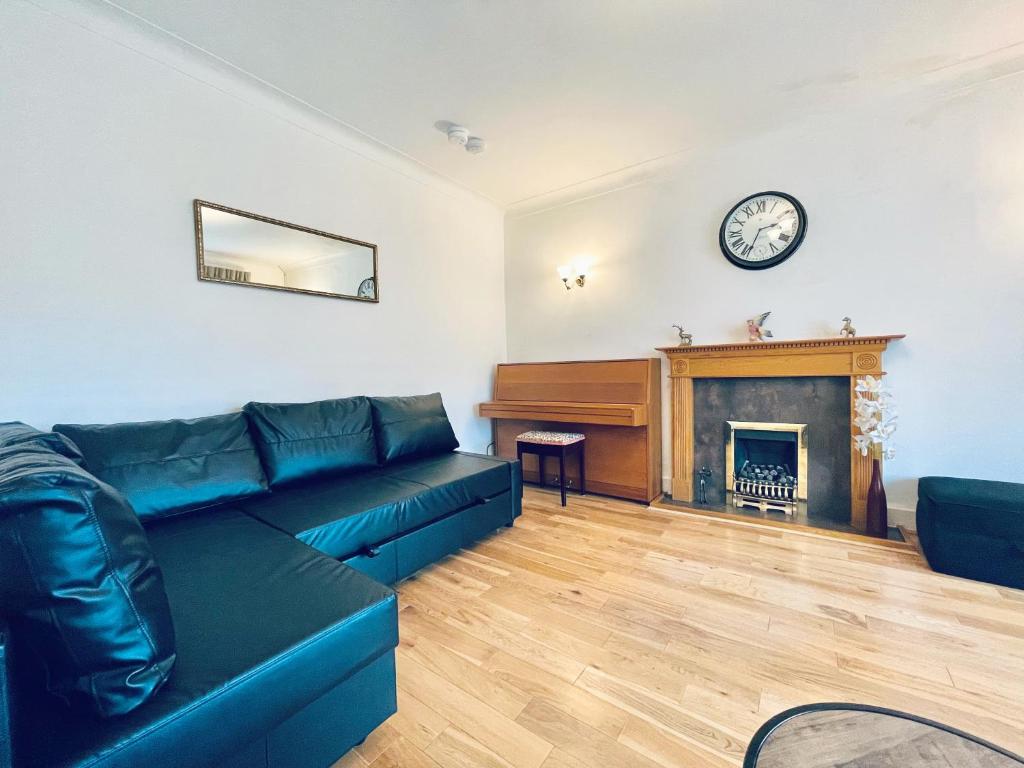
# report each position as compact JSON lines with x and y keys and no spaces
{"x":850,"y":736}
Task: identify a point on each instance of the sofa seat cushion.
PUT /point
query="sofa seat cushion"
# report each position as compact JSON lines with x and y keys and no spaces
{"x":343,"y":516}
{"x":302,"y":441}
{"x":451,"y":481}
{"x":169,"y":467}
{"x":264,"y":626}
{"x":338,"y":516}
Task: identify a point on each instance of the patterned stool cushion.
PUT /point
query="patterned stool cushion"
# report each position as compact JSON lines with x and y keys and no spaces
{"x":550,"y":438}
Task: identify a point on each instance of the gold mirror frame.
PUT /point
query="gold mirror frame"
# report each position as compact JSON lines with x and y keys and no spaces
{"x":198,"y":205}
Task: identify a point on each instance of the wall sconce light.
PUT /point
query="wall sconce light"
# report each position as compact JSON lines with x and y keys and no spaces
{"x":573,"y":274}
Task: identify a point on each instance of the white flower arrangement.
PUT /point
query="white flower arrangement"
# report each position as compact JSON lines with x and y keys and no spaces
{"x":875,"y":416}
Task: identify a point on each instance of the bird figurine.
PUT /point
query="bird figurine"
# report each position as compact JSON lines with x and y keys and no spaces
{"x":756,"y":329}
{"x":847,"y":331}
{"x":685,"y":339}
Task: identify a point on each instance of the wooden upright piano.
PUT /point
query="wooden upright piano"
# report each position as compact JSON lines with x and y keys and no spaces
{"x":615,"y":403}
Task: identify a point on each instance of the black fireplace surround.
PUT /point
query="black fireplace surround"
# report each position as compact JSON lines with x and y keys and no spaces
{"x":820,"y":402}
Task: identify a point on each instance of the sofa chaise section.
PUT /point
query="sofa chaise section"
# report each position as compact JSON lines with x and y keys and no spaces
{"x":265,"y":628}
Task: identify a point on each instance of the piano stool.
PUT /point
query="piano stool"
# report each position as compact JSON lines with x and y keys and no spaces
{"x":543,"y":444}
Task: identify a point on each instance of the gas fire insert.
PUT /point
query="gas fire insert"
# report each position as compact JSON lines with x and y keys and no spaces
{"x":766,"y":465}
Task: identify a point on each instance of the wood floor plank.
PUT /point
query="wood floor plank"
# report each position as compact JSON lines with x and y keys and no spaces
{"x":455,"y":748}
{"x":415,"y":721}
{"x":489,"y":625}
{"x":500,"y":734}
{"x":433,"y":626}
{"x":471,"y":678}
{"x":607,"y":634}
{"x":402,"y":754}
{"x":572,"y":699}
{"x":716,"y":738}
{"x":666,"y":749}
{"x":578,"y":740}
{"x":378,"y":741}
{"x":540,"y":607}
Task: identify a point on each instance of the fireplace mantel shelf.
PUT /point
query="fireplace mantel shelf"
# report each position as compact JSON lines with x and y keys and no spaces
{"x":838,"y":356}
{"x":859,"y":356}
{"x":801,"y":344}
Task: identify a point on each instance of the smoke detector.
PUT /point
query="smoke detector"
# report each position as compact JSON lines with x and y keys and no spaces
{"x":459,"y":136}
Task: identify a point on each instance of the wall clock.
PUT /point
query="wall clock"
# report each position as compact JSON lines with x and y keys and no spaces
{"x":762,"y":230}
{"x":367,"y":289}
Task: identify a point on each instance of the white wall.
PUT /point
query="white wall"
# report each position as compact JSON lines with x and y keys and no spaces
{"x":107,"y":134}
{"x":916,"y":226}
{"x":105,"y":139}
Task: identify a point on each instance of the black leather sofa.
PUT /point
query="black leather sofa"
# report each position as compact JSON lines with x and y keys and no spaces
{"x":973,"y":528}
{"x":276,"y":571}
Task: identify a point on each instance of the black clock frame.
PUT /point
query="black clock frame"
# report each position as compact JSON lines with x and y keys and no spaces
{"x":774,"y":260}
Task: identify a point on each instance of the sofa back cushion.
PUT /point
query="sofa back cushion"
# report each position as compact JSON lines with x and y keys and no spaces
{"x":15,"y":433}
{"x":79,"y":584}
{"x":300,"y":441}
{"x":168,"y":467}
{"x":411,"y":426}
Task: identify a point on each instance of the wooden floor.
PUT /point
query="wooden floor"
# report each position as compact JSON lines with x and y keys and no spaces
{"x":608,"y":634}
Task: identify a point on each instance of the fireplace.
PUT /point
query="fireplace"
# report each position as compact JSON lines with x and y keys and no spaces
{"x":766,"y":465}
{"x":811,"y":381}
{"x":775,"y":418}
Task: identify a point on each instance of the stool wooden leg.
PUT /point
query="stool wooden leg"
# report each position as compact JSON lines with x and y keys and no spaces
{"x":561,"y":473}
{"x":583,"y":469}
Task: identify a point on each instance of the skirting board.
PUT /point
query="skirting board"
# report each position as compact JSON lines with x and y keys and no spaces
{"x":905,"y":517}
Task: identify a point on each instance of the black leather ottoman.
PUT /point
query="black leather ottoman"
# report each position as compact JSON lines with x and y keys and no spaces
{"x":973,"y":528}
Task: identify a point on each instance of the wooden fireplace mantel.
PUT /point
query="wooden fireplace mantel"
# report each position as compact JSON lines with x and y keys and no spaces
{"x":850,"y":357}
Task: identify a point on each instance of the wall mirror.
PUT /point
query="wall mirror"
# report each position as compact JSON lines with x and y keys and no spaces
{"x":243,"y":248}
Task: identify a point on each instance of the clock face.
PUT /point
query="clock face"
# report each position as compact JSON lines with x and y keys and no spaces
{"x":763,"y":230}
{"x":367,"y":289}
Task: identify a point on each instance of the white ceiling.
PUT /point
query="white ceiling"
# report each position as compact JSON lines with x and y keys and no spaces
{"x":566,"y":91}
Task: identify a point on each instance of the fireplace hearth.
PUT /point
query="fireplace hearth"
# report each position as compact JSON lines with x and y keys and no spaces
{"x":766,"y":465}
